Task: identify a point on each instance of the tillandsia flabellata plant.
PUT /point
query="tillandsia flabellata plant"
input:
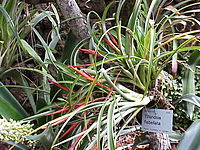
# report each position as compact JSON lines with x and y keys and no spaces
{"x":106,"y":92}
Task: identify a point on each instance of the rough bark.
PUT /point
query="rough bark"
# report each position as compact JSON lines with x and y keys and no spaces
{"x":89,"y":5}
{"x":70,"y":9}
{"x":159,"y":141}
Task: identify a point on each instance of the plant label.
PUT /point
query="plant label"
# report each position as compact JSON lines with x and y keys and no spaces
{"x":157,"y":120}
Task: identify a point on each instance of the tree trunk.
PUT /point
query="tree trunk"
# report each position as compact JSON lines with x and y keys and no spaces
{"x":70,"y":9}
{"x":159,"y":141}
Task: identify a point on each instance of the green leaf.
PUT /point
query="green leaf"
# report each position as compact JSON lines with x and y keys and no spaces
{"x":38,"y":71}
{"x":9,"y":106}
{"x":9,"y":22}
{"x":46,"y":138}
{"x":19,"y":145}
{"x":192,"y":98}
{"x":37,"y":116}
{"x":70,"y":43}
{"x":19,"y":78}
{"x":191,"y":138}
{"x":110,"y":131}
{"x":29,"y":94}
{"x":10,"y":6}
{"x":40,"y":17}
{"x":99,"y":123}
{"x":9,"y":111}
{"x":189,"y":80}
{"x":26,"y":47}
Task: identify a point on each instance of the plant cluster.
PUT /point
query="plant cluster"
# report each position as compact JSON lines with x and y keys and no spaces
{"x":90,"y":103}
{"x":11,"y":130}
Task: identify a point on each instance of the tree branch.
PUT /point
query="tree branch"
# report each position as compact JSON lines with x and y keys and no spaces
{"x":70,"y":9}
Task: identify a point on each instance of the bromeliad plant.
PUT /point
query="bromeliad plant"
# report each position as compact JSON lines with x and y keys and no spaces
{"x":14,"y":27}
{"x":123,"y":68}
{"x":9,"y":45}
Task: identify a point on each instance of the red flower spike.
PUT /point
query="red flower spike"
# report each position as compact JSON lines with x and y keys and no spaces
{"x":57,"y":107}
{"x":88,"y":74}
{"x":70,"y":129}
{"x":64,"y":95}
{"x":59,"y":111}
{"x":73,"y":126}
{"x":75,"y":143}
{"x":76,"y":106}
{"x":97,"y":99}
{"x":65,"y":109}
{"x":89,"y":78}
{"x":85,"y":65}
{"x":59,"y":85}
{"x":109,"y":94}
{"x":92,"y":52}
{"x":103,"y":86}
{"x":78,"y":123}
{"x":77,"y":140}
{"x":82,"y":74}
{"x":111,"y":45}
{"x":58,"y":122}
{"x":113,"y":39}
